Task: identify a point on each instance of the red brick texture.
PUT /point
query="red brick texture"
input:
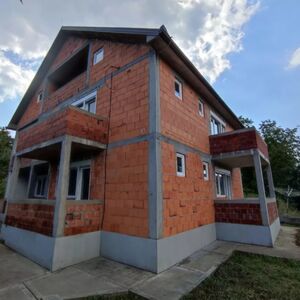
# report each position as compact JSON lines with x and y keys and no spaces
{"x":71,"y":121}
{"x":83,"y":218}
{"x":237,"y":141}
{"x":272,"y":211}
{"x":187,"y":201}
{"x":238,"y":213}
{"x":126,"y":203}
{"x":237,"y":185}
{"x":32,"y":217}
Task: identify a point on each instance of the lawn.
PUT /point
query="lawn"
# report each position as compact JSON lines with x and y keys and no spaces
{"x":243,"y":277}
{"x":251,"y":276}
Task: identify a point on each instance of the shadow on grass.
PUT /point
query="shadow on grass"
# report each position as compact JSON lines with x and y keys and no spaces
{"x":251,"y":276}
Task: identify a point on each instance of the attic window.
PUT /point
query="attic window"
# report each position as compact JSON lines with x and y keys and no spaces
{"x":98,"y":56}
{"x":75,"y":66}
{"x":40,"y":96}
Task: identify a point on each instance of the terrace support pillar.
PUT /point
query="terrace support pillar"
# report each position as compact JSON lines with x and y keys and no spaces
{"x":62,"y":188}
{"x":261,"y":188}
{"x":13,"y":178}
{"x":270,"y":182}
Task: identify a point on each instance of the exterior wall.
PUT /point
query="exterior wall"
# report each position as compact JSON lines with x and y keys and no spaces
{"x":82,"y":218}
{"x":180,"y":119}
{"x":188,"y":201}
{"x":272,"y":211}
{"x":33,"y":217}
{"x":237,"y":185}
{"x":126,"y":200}
{"x":238,"y":213}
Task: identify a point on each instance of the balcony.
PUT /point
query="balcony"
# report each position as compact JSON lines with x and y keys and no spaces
{"x":236,"y":148}
{"x":42,"y":139}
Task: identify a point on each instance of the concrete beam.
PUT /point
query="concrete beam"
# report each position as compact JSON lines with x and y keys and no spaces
{"x":261,"y":188}
{"x":270,"y":182}
{"x":62,"y":188}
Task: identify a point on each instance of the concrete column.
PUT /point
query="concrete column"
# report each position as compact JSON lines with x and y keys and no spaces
{"x":62,"y":188}
{"x":261,"y":189}
{"x":13,"y":178}
{"x":270,"y":182}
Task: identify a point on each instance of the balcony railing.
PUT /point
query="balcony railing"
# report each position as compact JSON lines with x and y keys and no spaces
{"x":68,"y":121}
{"x":238,"y":140}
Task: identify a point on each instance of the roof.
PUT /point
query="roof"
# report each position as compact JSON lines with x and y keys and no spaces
{"x":158,"y":38}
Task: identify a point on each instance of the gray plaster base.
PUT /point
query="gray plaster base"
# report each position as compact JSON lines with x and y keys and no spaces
{"x":248,"y":234}
{"x":35,"y":246}
{"x":155,"y":255}
{"x":52,"y":253}
{"x":275,"y":228}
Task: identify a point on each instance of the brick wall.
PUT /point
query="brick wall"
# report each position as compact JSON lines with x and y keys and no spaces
{"x":237,"y":185}
{"x":70,"y":121}
{"x":238,"y":213}
{"x":272,"y":211}
{"x":32,"y":217}
{"x":237,"y":141}
{"x":187,"y":201}
{"x":126,"y":208}
{"x":82,"y":218}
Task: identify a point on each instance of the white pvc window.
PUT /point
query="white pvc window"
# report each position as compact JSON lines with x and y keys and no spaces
{"x":178,"y":88}
{"x":79,"y":181}
{"x":217,"y":126}
{"x":39,"y":97}
{"x":40,"y":186}
{"x":205,"y":171}
{"x":180,"y":164}
{"x":98,"y":56}
{"x":223,"y":183}
{"x":87,"y":103}
{"x":201,"y":107}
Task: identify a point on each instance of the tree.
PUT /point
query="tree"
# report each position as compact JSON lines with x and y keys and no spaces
{"x":6,"y":143}
{"x":246,"y":121}
{"x":284,"y":152}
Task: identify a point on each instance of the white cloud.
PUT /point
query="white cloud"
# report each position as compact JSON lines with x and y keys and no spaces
{"x":295,"y":59}
{"x":14,"y":78}
{"x":208,"y":31}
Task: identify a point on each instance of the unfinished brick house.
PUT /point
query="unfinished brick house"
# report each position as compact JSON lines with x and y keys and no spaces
{"x":124,"y":150}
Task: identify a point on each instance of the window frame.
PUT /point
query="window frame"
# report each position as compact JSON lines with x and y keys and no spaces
{"x":180,"y":84}
{"x":221,"y":124}
{"x":79,"y":166}
{"x":226,"y":175}
{"x":84,"y":102}
{"x":206,"y":165}
{"x":39,"y":97}
{"x":182,"y":157}
{"x":44,"y":185}
{"x":201,"y":102}
{"x":100,"y":50}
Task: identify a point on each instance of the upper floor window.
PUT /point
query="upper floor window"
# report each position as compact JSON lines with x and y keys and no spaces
{"x":87,"y":103}
{"x":180,"y":164}
{"x":201,"y":107}
{"x":98,"y":56}
{"x":40,"y":96}
{"x":205,"y":171}
{"x":178,"y":88}
{"x":217,"y":126}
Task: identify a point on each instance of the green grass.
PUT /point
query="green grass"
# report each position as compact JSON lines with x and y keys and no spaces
{"x":251,"y":276}
{"x":293,"y":211}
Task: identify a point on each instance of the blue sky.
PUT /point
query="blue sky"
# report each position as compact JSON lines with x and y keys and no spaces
{"x":259,"y":84}
{"x":244,"y":48}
